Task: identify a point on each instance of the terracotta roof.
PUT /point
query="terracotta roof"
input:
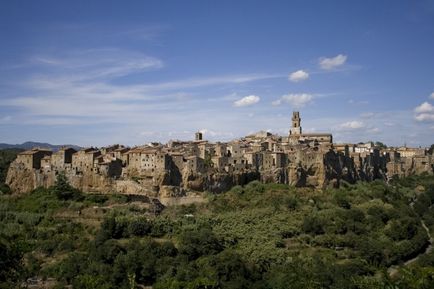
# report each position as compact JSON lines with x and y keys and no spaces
{"x":34,"y":151}
{"x":316,"y":134}
{"x":122,"y":150}
{"x":145,"y":150}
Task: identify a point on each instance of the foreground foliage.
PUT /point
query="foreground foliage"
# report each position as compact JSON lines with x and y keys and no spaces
{"x":257,"y":236}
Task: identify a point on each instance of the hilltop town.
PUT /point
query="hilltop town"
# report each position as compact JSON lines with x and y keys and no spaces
{"x":180,"y":167}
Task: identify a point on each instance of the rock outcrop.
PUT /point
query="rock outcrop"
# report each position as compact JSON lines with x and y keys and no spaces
{"x":304,"y":170}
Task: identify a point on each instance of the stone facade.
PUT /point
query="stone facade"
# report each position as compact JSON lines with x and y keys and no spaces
{"x":31,"y":159}
{"x":298,"y":159}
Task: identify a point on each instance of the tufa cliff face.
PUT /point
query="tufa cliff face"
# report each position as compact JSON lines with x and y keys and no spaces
{"x":157,"y":174}
{"x":181,"y":167}
{"x":21,"y":179}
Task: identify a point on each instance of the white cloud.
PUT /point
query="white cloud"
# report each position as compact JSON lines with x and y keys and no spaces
{"x":297,"y":100}
{"x":424,"y":112}
{"x":333,"y":62}
{"x":432,"y":95}
{"x":352,"y":125}
{"x":425,"y":117}
{"x":79,"y":84}
{"x":298,"y":76}
{"x":247,"y":100}
{"x":424,"y":108}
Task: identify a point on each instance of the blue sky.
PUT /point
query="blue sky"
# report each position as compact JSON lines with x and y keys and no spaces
{"x":131,"y":72}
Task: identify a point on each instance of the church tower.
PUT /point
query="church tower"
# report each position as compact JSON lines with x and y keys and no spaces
{"x":198,"y":136}
{"x":296,"y":124}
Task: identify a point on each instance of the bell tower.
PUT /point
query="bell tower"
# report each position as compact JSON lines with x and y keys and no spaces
{"x":198,"y":136}
{"x":296,"y":124}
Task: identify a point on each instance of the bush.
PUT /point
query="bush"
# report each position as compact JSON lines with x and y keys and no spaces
{"x":194,"y":244}
{"x":96,"y":199}
{"x":255,"y":187}
{"x":402,"y":229}
{"x":4,"y":189}
{"x":161,"y":227}
{"x":313,"y":224}
{"x":139,"y":227}
{"x":112,"y":228}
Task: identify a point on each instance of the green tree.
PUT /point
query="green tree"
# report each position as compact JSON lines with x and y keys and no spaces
{"x":139,"y":227}
{"x":198,"y":243}
{"x":380,"y":145}
{"x":64,"y":191}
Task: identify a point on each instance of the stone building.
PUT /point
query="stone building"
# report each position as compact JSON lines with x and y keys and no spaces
{"x":297,"y":136}
{"x":84,"y":159}
{"x":299,"y":159}
{"x":406,"y":152}
{"x":147,"y":161}
{"x":62,"y":157}
{"x":31,"y":159}
{"x":46,"y":162}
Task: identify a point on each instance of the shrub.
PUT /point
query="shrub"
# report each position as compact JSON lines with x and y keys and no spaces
{"x":194,"y":244}
{"x":4,"y":189}
{"x":313,"y":224}
{"x":139,"y":227}
{"x":96,"y":199}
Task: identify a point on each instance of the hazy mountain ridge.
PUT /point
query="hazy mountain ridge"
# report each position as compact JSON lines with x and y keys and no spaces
{"x":31,"y":144}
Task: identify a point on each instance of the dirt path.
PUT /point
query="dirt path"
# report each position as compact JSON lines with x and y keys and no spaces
{"x":393,"y":270}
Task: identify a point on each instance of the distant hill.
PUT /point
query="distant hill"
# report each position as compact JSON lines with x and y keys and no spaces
{"x":30,"y":144}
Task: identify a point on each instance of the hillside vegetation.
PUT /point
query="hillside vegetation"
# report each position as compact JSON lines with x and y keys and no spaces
{"x":257,"y":236}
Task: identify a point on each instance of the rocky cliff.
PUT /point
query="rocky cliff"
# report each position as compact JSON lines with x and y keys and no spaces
{"x":316,"y":170}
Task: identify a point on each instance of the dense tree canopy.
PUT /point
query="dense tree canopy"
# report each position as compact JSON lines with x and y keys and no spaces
{"x":256,"y":236}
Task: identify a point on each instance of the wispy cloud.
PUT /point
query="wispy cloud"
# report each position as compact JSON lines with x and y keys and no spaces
{"x":296,"y":100}
{"x":247,"y":101}
{"x":94,"y":64}
{"x":207,"y":81}
{"x":107,"y":90}
{"x":358,"y":102}
{"x":352,"y":125}
{"x":332,"y":62}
